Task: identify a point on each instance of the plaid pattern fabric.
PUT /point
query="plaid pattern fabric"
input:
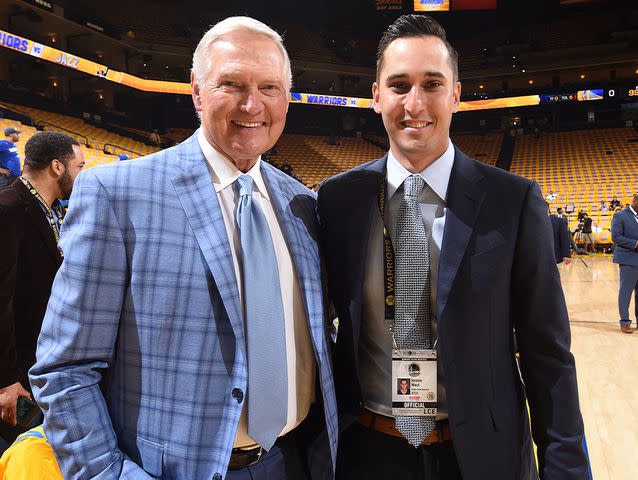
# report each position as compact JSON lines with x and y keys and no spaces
{"x":143,"y":343}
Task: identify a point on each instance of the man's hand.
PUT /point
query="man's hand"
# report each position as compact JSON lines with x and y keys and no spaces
{"x":9,"y":400}
{"x":4,"y":172}
{"x":567,"y":260}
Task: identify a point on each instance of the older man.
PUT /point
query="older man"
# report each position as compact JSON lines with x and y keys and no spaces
{"x":185,"y":331}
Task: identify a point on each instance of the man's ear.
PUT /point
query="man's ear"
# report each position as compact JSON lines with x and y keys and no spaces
{"x":197,"y":101}
{"x":457,"y":97}
{"x":57,"y":167}
{"x":375,"y":98}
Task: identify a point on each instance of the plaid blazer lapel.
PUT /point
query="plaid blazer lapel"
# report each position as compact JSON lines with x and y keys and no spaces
{"x":197,"y":195}
{"x":297,"y":217}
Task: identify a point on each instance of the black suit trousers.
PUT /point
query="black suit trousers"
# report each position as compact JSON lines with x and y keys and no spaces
{"x":366,"y":453}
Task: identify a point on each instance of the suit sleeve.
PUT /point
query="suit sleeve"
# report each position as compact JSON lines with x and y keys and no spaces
{"x":77,"y":340}
{"x":9,"y":251}
{"x":618,"y":233}
{"x":564,"y":239}
{"x":543,"y":334}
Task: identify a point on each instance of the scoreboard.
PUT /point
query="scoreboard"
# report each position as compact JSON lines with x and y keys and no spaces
{"x":623,"y":92}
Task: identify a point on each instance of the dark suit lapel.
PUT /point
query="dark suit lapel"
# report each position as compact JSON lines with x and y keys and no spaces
{"x":362,"y":207}
{"x":39,"y":221}
{"x":196,"y":192}
{"x":631,"y":220}
{"x":464,"y":199}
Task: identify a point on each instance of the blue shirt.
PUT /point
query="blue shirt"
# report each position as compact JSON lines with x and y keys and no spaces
{"x":9,"y":158}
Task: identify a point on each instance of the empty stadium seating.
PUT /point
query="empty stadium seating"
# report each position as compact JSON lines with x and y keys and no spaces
{"x":314,"y":159}
{"x":581,"y":167}
{"x":76,"y":127}
{"x":92,"y":156}
{"x":83,"y":132}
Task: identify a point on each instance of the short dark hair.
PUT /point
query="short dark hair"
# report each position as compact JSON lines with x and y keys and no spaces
{"x":416,"y":26}
{"x":43,"y":147}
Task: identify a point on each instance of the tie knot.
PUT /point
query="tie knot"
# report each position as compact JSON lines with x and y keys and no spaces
{"x":245,"y":183}
{"x":413,"y":186}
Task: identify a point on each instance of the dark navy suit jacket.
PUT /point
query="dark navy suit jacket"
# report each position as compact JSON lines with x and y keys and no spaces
{"x":497,"y":273}
{"x":624,"y":234}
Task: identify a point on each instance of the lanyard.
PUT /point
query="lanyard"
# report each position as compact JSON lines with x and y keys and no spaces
{"x":59,"y":211}
{"x":388,"y":257}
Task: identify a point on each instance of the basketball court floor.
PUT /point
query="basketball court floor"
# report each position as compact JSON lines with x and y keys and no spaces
{"x":607,"y":366}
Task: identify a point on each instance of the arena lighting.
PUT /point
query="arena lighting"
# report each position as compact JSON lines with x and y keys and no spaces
{"x":45,"y":52}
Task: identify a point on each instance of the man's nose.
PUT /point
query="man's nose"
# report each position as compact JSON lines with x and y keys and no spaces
{"x":251,"y":102}
{"x":414,"y":101}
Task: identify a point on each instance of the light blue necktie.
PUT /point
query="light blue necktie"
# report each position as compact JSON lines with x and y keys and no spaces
{"x":265,"y":331}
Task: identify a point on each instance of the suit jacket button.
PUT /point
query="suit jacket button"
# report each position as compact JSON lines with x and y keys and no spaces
{"x":217,"y":476}
{"x":238,"y":395}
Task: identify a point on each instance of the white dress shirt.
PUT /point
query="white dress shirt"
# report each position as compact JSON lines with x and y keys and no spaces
{"x":300,"y":358}
{"x":375,"y":348}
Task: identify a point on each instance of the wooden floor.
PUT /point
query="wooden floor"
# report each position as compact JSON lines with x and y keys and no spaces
{"x":607,"y":366}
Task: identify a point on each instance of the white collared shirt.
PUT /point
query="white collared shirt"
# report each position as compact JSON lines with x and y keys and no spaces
{"x":299,"y":352}
{"x":436,"y":175}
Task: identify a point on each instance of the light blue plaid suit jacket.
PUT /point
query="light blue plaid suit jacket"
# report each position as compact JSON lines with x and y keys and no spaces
{"x":143,"y":341}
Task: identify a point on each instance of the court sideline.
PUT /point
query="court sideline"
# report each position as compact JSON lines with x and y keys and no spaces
{"x":607,"y":366}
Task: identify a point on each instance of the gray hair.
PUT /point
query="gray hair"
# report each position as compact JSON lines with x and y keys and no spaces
{"x":202,"y":61}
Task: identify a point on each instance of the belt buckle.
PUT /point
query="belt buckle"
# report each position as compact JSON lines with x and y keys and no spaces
{"x":258,"y":452}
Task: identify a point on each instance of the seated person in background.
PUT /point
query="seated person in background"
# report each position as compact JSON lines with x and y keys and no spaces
{"x":614,"y":203}
{"x":603,"y":206}
{"x":595,"y":228}
{"x":551,"y":196}
{"x":30,"y":458}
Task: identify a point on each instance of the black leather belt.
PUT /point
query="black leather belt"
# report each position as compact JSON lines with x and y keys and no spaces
{"x":245,"y":457}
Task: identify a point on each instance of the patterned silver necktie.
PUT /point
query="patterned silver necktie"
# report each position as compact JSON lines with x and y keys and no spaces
{"x":412,"y":315}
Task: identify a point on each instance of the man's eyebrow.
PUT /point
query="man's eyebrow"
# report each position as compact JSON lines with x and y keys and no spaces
{"x":396,"y":76}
